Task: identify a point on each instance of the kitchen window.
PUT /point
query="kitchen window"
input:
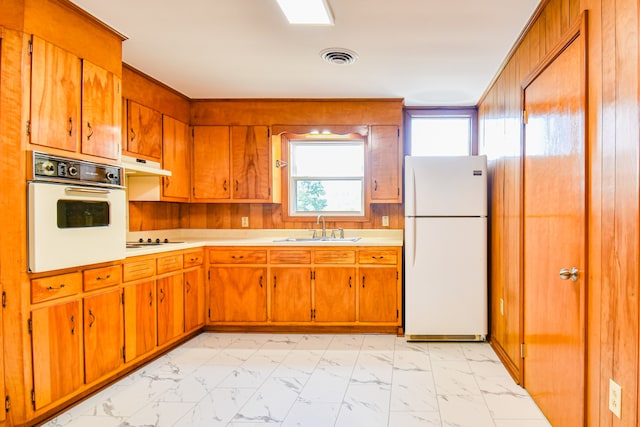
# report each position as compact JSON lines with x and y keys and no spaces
{"x":326,"y":177}
{"x":441,"y":132}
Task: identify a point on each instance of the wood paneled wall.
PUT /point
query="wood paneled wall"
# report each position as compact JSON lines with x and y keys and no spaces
{"x":613,"y":165}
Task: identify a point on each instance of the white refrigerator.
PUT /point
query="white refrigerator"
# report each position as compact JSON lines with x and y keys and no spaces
{"x":445,"y":263}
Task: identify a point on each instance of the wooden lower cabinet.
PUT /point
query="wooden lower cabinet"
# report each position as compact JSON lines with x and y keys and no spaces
{"x":291,"y":294}
{"x":103,"y":334}
{"x":193,"y":299}
{"x":170,"y":301}
{"x":139,"y":319}
{"x":378,"y":295}
{"x":238,"y":294}
{"x":56,"y":334}
{"x":334,"y":294}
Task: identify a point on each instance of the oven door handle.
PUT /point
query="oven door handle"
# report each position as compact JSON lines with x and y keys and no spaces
{"x":87,"y":190}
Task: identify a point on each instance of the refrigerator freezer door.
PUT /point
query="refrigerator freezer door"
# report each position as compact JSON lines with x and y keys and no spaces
{"x":446,"y":277}
{"x":446,"y":186}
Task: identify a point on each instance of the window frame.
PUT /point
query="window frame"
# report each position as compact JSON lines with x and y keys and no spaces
{"x":287,"y":137}
{"x":422,"y":112}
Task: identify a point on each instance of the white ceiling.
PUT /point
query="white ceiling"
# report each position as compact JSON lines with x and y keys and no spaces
{"x":429,"y":52}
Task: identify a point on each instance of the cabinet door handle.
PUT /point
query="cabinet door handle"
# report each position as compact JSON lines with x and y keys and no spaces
{"x":236,"y":185}
{"x":237,"y":257}
{"x":103,"y":278}
{"x":224,"y":185}
{"x":349,"y":281}
{"x":55,"y":288}
{"x":188,"y":287}
{"x":133,"y":135}
{"x":161,"y":294}
{"x":73,"y":324}
{"x":92,"y":318}
{"x":275,"y":278}
{"x":375,"y":185}
{"x":150,"y":299}
{"x":362,"y":281}
{"x":70,"y":126}
{"x":377,"y":257}
{"x":90,"y":131}
{"x":260,"y":281}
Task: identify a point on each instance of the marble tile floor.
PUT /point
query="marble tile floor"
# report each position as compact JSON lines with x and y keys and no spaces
{"x":265,"y":380}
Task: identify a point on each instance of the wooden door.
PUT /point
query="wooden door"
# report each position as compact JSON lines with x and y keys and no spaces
{"x":291,"y":294}
{"x":55,"y":97}
{"x":101,"y":112}
{"x":144,"y":131}
{"x":57,"y":352}
{"x":193,"y":299}
{"x":378,"y":299}
{"x":176,"y":158}
{"x":554,"y":237}
{"x":139,"y":319}
{"x":211,"y":163}
{"x":170,"y":297}
{"x":103,"y":334}
{"x":238,"y":294}
{"x":250,"y":162}
{"x":334,"y":294}
{"x":385,"y":162}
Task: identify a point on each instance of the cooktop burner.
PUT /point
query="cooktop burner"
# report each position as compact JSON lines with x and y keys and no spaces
{"x":142,"y":243}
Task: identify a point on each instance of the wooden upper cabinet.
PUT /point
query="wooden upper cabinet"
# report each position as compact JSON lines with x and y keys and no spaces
{"x":55,"y":96}
{"x":144,"y":132}
{"x":176,"y":158}
{"x":211,"y":168}
{"x":65,"y":89}
{"x":250,"y":165}
{"x":385,"y":164}
{"x":101,"y":114}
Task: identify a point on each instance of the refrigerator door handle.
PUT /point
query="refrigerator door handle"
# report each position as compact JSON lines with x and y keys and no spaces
{"x":413,"y":239}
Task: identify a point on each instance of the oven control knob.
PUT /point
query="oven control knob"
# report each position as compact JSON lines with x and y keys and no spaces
{"x":149,"y":240}
{"x":157,"y":240}
{"x":166,"y":240}
{"x":48,"y":168}
{"x":110,"y":175}
{"x":73,"y":171}
{"x":141,"y":240}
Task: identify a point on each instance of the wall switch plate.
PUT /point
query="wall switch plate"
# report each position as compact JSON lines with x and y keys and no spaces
{"x":385,"y":221}
{"x":615,"y":398}
{"x":245,"y":221}
{"x":501,"y":306}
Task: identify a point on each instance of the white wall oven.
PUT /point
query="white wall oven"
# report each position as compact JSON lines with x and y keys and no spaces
{"x":77,"y":213}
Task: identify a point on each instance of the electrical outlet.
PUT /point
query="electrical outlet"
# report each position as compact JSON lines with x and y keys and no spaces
{"x":501,"y":306}
{"x":245,"y":221}
{"x":615,"y":398}
{"x":385,"y":220}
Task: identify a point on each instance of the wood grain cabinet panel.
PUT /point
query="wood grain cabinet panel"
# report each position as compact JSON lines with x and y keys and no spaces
{"x":334,"y":294}
{"x":238,"y":294}
{"x":334,"y":256}
{"x":58,"y":286}
{"x":378,"y":256}
{"x":193,"y":299}
{"x":250,"y":163}
{"x":140,"y":269}
{"x":55,"y":96}
{"x":101,"y":112}
{"x":378,"y":295}
{"x":140,"y":319}
{"x":176,"y":157}
{"x":211,"y":163}
{"x":98,"y":278}
{"x":385,"y":161}
{"x":170,"y":301}
{"x":103,"y":334}
{"x":290,"y":256}
{"x":238,"y":256}
{"x":291,"y":294}
{"x":56,"y":338}
{"x":144,"y":131}
{"x":191,"y":259}
{"x":169,"y":263}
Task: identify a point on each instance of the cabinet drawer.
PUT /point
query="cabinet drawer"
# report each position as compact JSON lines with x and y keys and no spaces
{"x":98,"y":278}
{"x":48,"y":288}
{"x":241,"y":256}
{"x":169,"y":263}
{"x":192,"y":258}
{"x":293,"y":256}
{"x":334,"y":257}
{"x":378,"y":256}
{"x":139,"y":270}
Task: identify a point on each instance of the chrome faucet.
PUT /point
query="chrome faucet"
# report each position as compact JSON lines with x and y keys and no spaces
{"x":324,"y":228}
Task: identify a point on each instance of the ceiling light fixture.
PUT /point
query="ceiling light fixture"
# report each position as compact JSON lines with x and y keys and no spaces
{"x":309,"y":12}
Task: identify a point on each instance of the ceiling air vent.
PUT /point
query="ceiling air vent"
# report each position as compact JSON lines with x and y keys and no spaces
{"x":339,"y":56}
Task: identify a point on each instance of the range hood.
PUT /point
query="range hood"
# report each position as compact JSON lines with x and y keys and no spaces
{"x":140,"y":167}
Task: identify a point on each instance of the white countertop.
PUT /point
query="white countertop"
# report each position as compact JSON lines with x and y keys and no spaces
{"x":195,"y":238}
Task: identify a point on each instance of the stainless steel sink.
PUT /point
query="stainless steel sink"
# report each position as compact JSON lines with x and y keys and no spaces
{"x":318,"y":239}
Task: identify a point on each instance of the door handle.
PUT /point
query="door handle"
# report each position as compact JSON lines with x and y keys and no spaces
{"x":566,"y":274}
